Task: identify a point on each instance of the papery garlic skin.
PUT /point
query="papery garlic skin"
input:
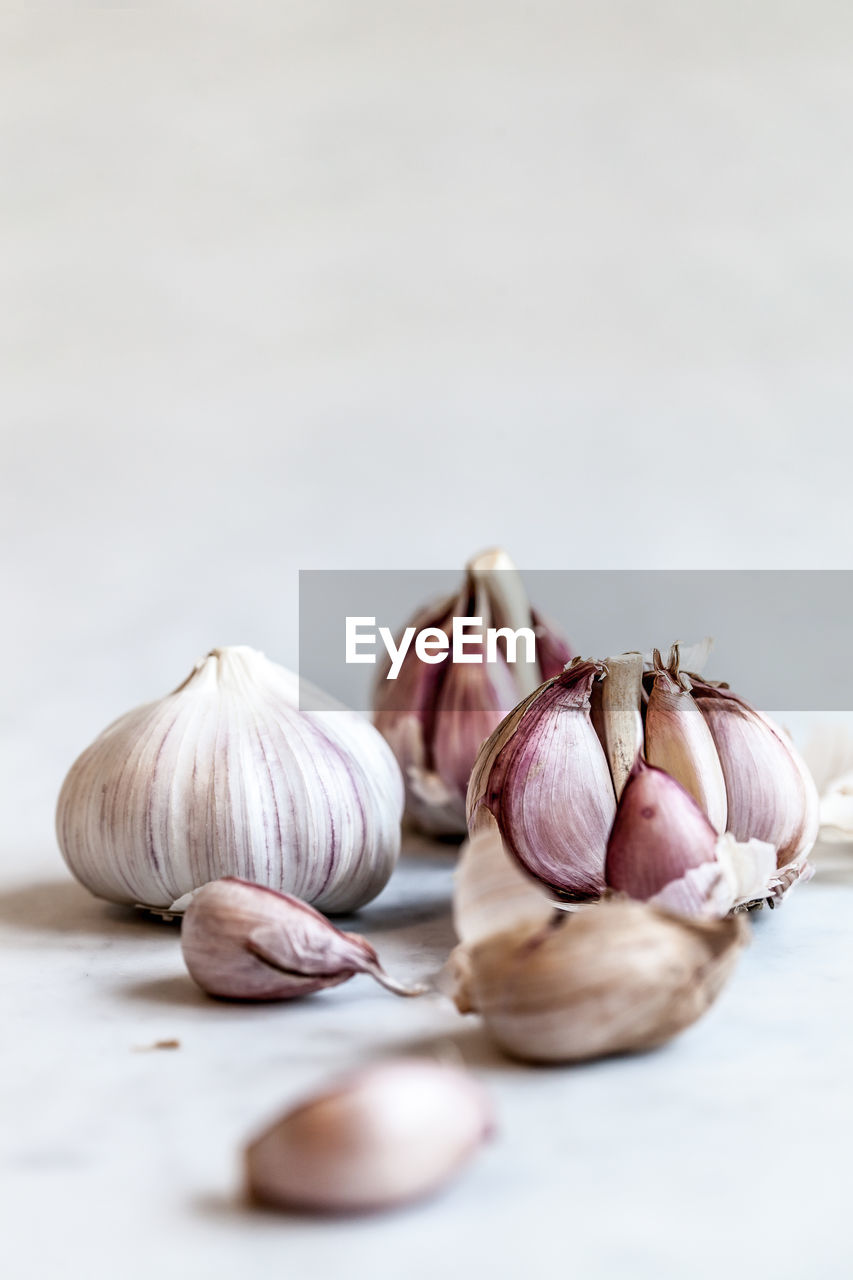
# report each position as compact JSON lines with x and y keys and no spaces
{"x":226,"y":776}
{"x":243,"y":941}
{"x":436,"y":716}
{"x":617,"y":977}
{"x":386,"y":1135}
{"x":543,"y":776}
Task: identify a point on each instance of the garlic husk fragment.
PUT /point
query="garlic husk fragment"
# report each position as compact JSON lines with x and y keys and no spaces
{"x":435,"y":716}
{"x":544,"y":778}
{"x":771,"y":795}
{"x":226,"y":776}
{"x":386,"y":1135}
{"x":243,"y":941}
{"x":679,"y":741}
{"x":613,"y":978}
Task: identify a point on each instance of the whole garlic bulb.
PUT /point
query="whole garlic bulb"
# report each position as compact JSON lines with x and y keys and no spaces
{"x":725,"y":786}
{"x":384,"y":1135}
{"x":435,"y":716}
{"x":225,"y":776}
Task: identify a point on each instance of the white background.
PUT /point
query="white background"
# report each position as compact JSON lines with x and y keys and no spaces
{"x":376,"y":285}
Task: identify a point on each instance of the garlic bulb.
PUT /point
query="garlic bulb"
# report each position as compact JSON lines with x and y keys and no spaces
{"x":621,"y":977}
{"x":550,"y":773}
{"x":436,"y":715}
{"x":383,"y":1136}
{"x":244,"y":941}
{"x":226,"y":776}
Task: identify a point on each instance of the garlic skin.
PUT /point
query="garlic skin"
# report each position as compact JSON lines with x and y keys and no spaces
{"x":384,"y":1136}
{"x":543,"y":777}
{"x":243,"y":941}
{"x":435,"y":716}
{"x":615,"y":978}
{"x":225,"y":776}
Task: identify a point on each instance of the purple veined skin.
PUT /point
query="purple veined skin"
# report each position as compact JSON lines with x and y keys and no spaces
{"x":436,"y":716}
{"x":544,"y":777}
{"x":244,"y":941}
{"x":771,"y":794}
{"x":662,"y":846}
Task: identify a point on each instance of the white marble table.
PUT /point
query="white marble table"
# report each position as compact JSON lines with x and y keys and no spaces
{"x":726,"y":1152}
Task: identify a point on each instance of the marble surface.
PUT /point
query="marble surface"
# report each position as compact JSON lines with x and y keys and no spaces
{"x":726,"y":1151}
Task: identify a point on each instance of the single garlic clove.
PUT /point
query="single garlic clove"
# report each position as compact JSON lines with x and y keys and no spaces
{"x":622,"y":723}
{"x":661,"y":838}
{"x":544,"y":778}
{"x":227,"y":776}
{"x":436,"y":715}
{"x":679,"y":741}
{"x":771,"y":794}
{"x":490,"y":891}
{"x":243,"y":941}
{"x":614,"y":978}
{"x":386,"y":1135}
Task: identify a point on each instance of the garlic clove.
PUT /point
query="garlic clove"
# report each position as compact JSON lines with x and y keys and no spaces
{"x":383,"y":1136}
{"x":622,"y":723}
{"x":490,"y":892}
{"x":836,"y":810}
{"x":226,"y":776}
{"x":659,"y":836}
{"x":614,"y":978}
{"x":244,"y":941}
{"x":544,"y":777}
{"x":771,"y":795}
{"x":679,"y":741}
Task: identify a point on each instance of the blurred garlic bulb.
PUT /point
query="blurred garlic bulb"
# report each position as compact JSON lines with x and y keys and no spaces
{"x":728,"y":817}
{"x":226,"y":776}
{"x":436,"y":715}
{"x":381,"y":1137}
{"x":245,"y":941}
{"x":621,"y":977}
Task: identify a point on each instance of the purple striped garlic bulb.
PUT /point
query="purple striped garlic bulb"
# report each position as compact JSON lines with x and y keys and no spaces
{"x":642,"y":779}
{"x":227,"y":777}
{"x":436,"y":714}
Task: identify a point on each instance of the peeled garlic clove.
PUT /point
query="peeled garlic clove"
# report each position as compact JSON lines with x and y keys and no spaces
{"x":622,"y":723}
{"x":227,"y":776}
{"x":679,"y":741}
{"x":435,"y":716}
{"x":614,"y":978}
{"x":544,"y":778}
{"x":243,"y":941}
{"x":662,"y":843}
{"x":771,"y":795}
{"x":381,"y":1137}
